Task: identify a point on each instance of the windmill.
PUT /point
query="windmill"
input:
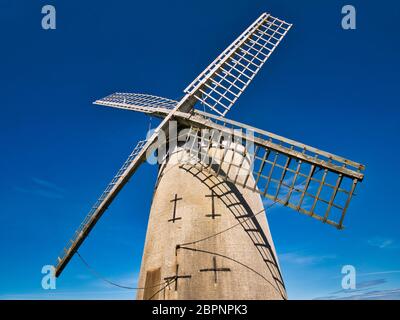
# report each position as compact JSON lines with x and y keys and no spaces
{"x":208,"y":236}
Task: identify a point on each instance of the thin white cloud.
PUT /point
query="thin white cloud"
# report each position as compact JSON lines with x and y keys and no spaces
{"x":42,"y":188}
{"x":381,"y":243}
{"x":47,"y":184}
{"x":389,"y":294}
{"x":373,"y":273}
{"x":302,"y":259}
{"x":377,"y":273}
{"x":362,"y":286}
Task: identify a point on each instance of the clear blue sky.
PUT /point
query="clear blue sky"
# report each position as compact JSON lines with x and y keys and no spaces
{"x":330,"y":88}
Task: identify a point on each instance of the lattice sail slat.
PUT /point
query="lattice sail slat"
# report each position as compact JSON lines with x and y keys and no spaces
{"x":224,"y":80}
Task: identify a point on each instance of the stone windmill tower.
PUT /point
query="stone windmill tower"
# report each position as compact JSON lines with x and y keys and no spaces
{"x":208,"y":236}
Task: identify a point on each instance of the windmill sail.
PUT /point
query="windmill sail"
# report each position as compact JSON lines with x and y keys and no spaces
{"x":224,"y":80}
{"x":128,"y":169}
{"x":138,"y":102}
{"x":303,"y":178}
{"x":100,"y":206}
